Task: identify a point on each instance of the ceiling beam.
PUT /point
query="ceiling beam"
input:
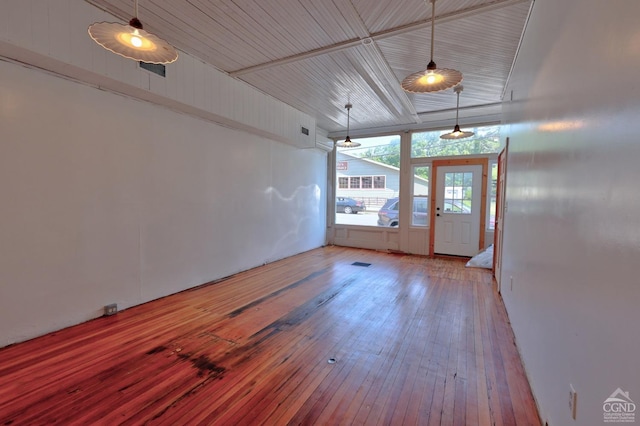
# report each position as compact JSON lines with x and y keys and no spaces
{"x":469,"y":116}
{"x":378,"y":73}
{"x":452,"y":16}
{"x":375,"y":56}
{"x":386,"y":85}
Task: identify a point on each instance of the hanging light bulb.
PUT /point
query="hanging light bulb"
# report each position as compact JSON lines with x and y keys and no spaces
{"x":348,"y":143}
{"x":136,"y":41}
{"x":433,"y":79}
{"x":132,"y":42}
{"x":457,"y":133}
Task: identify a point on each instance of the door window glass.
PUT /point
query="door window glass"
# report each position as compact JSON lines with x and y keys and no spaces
{"x":419,"y":216}
{"x":457,"y":192}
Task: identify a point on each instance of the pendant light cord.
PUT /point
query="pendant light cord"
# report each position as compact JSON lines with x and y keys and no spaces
{"x":348,"y":118}
{"x":457,"y":107}
{"x":433,"y":24}
{"x":135,"y":22}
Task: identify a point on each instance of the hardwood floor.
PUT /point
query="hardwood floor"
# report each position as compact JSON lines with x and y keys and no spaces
{"x":415,"y":341}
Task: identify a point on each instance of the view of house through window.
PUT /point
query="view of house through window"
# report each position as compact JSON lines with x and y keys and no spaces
{"x":366,"y":178}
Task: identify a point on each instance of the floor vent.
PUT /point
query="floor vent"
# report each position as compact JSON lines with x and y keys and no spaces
{"x":361,"y":264}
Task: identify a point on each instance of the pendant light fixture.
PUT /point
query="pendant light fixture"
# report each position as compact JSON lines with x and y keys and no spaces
{"x":132,"y":42}
{"x":457,"y":133}
{"x":347,"y":142}
{"x":433,"y":79}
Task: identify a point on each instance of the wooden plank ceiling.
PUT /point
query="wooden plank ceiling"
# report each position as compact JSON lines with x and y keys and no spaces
{"x":315,"y":55}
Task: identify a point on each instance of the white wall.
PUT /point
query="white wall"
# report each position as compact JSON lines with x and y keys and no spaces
{"x":52,"y":35}
{"x":110,"y":199}
{"x":572,"y":231}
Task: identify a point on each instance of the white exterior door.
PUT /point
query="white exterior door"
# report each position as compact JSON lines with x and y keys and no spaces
{"x":458,"y":209}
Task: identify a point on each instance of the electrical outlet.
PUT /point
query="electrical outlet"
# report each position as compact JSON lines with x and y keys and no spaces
{"x":573,"y":400}
{"x":110,"y":309}
{"x":511,"y":282}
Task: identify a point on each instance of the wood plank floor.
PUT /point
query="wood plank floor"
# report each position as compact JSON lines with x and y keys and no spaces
{"x":416,"y":341}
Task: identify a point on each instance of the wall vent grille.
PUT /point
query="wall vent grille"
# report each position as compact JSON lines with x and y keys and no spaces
{"x":158,"y":69}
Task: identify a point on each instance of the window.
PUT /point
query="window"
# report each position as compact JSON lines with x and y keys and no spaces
{"x":486,"y":140}
{"x":368,"y":174}
{"x":367,"y":182}
{"x":457,"y":192}
{"x":362,"y":182}
{"x":420,"y":193}
{"x":379,"y":182}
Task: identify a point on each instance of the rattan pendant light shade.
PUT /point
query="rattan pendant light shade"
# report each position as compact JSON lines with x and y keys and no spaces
{"x":132,"y":41}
